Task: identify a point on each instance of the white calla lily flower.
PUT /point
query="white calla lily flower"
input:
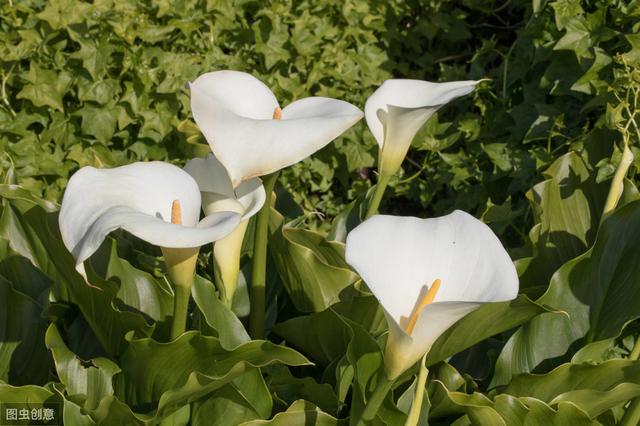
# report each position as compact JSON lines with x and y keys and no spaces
{"x":251,"y":135}
{"x":427,"y":274}
{"x":143,"y":199}
{"x":218,"y":195}
{"x":398,"y":109}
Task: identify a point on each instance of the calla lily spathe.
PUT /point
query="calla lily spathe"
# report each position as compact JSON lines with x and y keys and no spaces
{"x":398,"y":109}
{"x":217,"y":190}
{"x":249,"y":133}
{"x":218,"y":195}
{"x":427,"y":274}
{"x":140,"y":198}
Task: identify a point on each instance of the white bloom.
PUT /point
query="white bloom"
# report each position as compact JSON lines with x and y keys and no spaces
{"x":398,"y":109}
{"x":427,"y":274}
{"x":139,"y":198}
{"x":249,"y":133}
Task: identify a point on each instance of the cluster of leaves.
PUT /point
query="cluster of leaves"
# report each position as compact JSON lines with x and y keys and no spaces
{"x":102,"y":352}
{"x":532,"y":151}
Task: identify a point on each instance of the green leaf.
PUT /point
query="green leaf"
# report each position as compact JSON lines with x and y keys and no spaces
{"x":288,"y":388}
{"x":194,"y":365}
{"x":567,"y":207}
{"x":34,"y":235}
{"x":94,"y":55}
{"x":60,"y":13}
{"x":486,"y":321}
{"x":32,"y":394}
{"x":45,"y":87}
{"x":99,"y":122}
{"x":592,"y":388}
{"x":91,"y":380}
{"x":300,"y":412}
{"x":136,"y":289}
{"x":594,"y":289}
{"x":218,"y":316}
{"x":324,"y":336}
{"x":23,"y":357}
{"x":572,"y":377}
{"x":351,"y":216}
{"x":312,"y":269}
{"x":508,"y":410}
{"x":100,"y":91}
{"x":245,"y":398}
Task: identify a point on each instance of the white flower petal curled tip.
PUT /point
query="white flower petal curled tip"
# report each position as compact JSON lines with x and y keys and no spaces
{"x":249,"y":134}
{"x":138,"y":198}
{"x":427,"y":274}
{"x":396,"y":111}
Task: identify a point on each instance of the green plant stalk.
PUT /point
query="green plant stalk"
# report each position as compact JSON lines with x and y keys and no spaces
{"x":632,"y":414}
{"x":416,"y":405}
{"x":374,"y":204}
{"x":373,"y":404}
{"x":181,"y":267}
{"x":259,"y":271}
{"x":635,"y":352}
{"x":180,"y":310}
{"x":617,"y":183}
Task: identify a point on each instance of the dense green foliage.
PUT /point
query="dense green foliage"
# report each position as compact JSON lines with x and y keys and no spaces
{"x":104,"y":84}
{"x":532,"y":152}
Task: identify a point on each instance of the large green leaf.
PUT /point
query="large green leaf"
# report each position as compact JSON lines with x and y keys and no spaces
{"x":484,"y":322}
{"x":574,"y":377}
{"x":351,"y":216}
{"x":36,"y":397}
{"x":91,"y":380}
{"x":287,"y":388}
{"x":23,"y":356}
{"x":217,"y":315}
{"x":193,"y":366}
{"x":24,"y":276}
{"x":32,"y":393}
{"x":321,"y":336}
{"x":324,"y":336}
{"x":24,"y":199}
{"x":300,"y":413}
{"x":594,"y":289}
{"x":334,"y":338}
{"x":136,"y":289}
{"x":593,"y":389}
{"x":312,"y":269}
{"x":506,"y":410}
{"x":567,"y":208}
{"x":243,"y":399}
{"x":35,"y":236}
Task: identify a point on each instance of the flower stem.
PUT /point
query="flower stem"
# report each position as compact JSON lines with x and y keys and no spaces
{"x":416,"y":405}
{"x":635,"y":352}
{"x":617,"y":183}
{"x":375,"y":401}
{"x":632,"y":413}
{"x":181,"y":266}
{"x":180,"y":310}
{"x":383,"y":181}
{"x":259,"y":271}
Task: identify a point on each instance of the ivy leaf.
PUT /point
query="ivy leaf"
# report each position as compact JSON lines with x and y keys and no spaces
{"x":61,"y":13}
{"x":46,"y":87}
{"x":99,"y":122}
